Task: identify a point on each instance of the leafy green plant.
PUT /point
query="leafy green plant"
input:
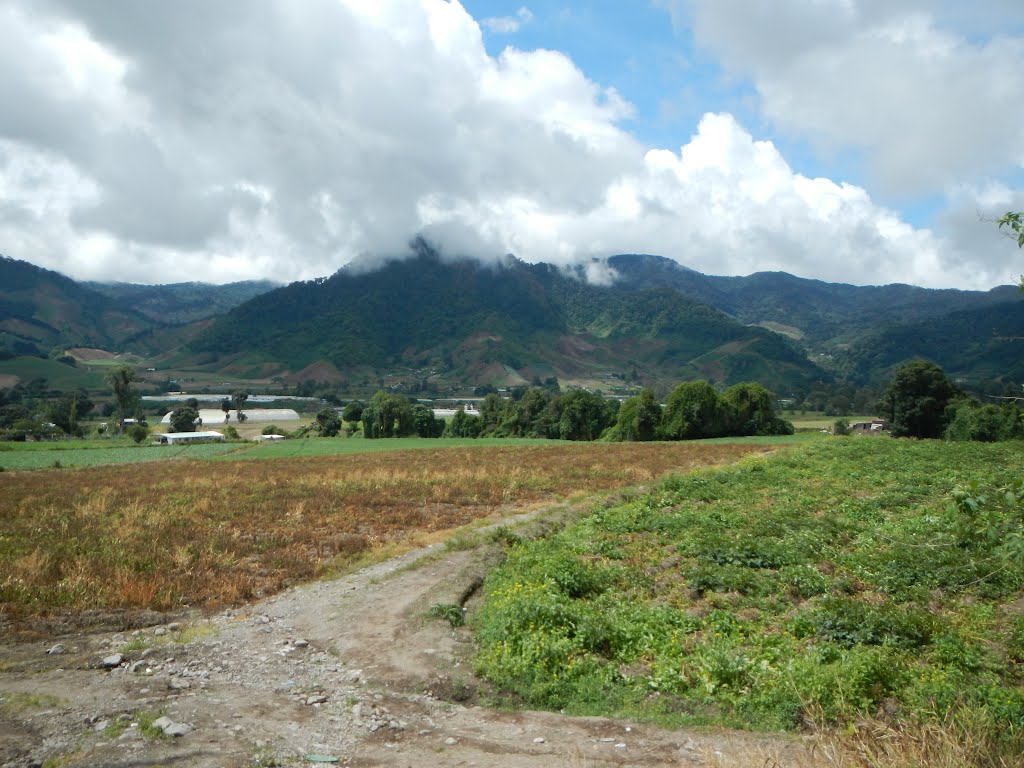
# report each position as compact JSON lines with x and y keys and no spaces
{"x":449,"y":612}
{"x":824,"y":584}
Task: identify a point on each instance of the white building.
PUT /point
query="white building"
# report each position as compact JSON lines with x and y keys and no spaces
{"x":174,"y":438}
{"x":215,"y":416}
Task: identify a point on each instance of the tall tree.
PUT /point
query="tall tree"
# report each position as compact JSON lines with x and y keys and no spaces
{"x":639,"y":418}
{"x":693,"y":411}
{"x":750,"y":410}
{"x":915,"y":400}
{"x":388,"y":415}
{"x":583,"y":416}
{"x":125,"y":397}
{"x":240,"y":398}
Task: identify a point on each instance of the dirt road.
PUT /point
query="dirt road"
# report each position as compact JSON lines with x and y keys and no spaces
{"x":348,"y":672}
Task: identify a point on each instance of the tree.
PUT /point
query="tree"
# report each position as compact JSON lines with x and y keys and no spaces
{"x":426,"y":423}
{"x":66,"y":411}
{"x":693,"y":411}
{"x":327,"y":422}
{"x":463,"y":424}
{"x":353,"y":412}
{"x":225,"y":405}
{"x":639,"y":418}
{"x":915,"y":400}
{"x":240,"y":398}
{"x":388,"y":415}
{"x":493,"y":410}
{"x":583,"y":416}
{"x":125,"y":396}
{"x":138,"y":433}
{"x":184,"y":418}
{"x":750,"y":410}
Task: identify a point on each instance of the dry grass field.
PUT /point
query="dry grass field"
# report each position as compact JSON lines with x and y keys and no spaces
{"x":163,"y":535}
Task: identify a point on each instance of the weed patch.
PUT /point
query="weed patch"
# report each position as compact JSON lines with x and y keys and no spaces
{"x":834,"y":583}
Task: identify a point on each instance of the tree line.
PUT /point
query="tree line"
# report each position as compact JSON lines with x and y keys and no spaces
{"x":921,"y":401}
{"x":693,"y":410}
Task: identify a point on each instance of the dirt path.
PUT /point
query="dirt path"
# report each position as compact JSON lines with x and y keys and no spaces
{"x":350,"y":670}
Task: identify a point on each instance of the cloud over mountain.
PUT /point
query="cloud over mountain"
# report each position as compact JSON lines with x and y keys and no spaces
{"x":230,"y":140}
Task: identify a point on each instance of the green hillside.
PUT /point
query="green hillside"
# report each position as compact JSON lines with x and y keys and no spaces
{"x":471,"y":319}
{"x":182,"y":302}
{"x":986,"y":343}
{"x":825,"y":313}
{"x":41,"y":309}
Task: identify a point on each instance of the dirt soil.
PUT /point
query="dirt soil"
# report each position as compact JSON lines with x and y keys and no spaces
{"x":350,"y":672}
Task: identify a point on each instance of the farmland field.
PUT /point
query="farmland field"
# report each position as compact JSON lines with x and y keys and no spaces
{"x":162,"y":534}
{"x":821,"y":421}
{"x":86,"y":453}
{"x":820,"y":585}
{"x":107,"y":451}
{"x":58,"y":375}
{"x":344,"y":446}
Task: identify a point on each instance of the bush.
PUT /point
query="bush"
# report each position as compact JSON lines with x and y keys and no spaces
{"x":328,"y":422}
{"x":138,"y":433}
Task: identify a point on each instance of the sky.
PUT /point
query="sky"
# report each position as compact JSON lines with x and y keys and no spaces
{"x":858,"y":141}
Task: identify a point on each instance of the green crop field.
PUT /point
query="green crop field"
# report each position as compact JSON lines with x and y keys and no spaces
{"x":811,"y":420}
{"x":88,"y":454}
{"x":106,"y":451}
{"x":823,"y":584}
{"x":58,"y":375}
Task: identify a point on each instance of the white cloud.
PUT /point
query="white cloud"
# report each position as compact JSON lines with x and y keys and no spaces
{"x":229,"y":140}
{"x":929,"y":92}
{"x":508,"y":25}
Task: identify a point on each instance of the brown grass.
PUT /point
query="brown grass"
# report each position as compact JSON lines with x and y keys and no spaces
{"x":964,"y":738}
{"x":163,"y":535}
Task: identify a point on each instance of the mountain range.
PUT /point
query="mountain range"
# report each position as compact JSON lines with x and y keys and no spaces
{"x":507,"y":322}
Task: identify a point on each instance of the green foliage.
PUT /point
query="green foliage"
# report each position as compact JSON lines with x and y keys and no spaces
{"x":353,"y":411}
{"x":841,"y":427}
{"x":239,"y":399}
{"x":583,"y":415}
{"x":818,"y":582}
{"x":425,"y":423}
{"x":138,"y":433}
{"x":388,"y":415}
{"x":915,"y":400}
{"x":750,"y":410}
{"x":989,"y":523}
{"x":469,"y":321}
{"x":693,"y":411}
{"x":125,"y":396}
{"x":328,"y":423}
{"x":463,"y":424}
{"x":184,"y":419}
{"x":970,"y":420}
{"x":639,"y":418}
{"x":449,"y":612}
{"x":1014,"y":221}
